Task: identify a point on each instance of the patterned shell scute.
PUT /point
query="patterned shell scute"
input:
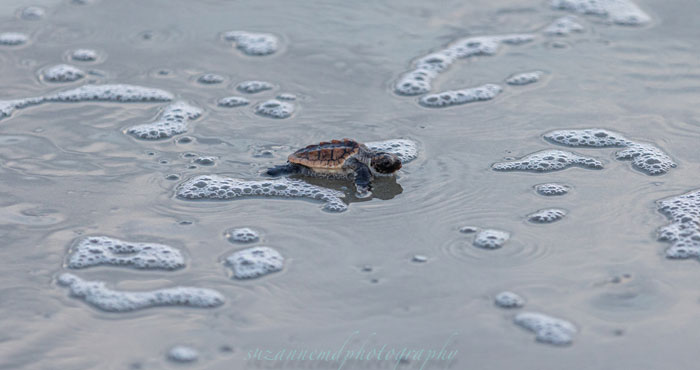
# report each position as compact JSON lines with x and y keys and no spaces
{"x":325,"y":154}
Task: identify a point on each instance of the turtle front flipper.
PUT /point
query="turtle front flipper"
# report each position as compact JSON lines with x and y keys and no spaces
{"x":363,"y":176}
{"x":285,"y":169}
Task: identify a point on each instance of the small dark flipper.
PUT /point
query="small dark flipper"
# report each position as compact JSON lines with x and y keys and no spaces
{"x":285,"y":169}
{"x":363,"y":176}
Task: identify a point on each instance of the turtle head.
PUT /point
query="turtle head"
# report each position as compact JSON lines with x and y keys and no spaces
{"x":385,"y":163}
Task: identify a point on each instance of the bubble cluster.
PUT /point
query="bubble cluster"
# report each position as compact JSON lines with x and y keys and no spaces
{"x":183,"y":354}
{"x":491,"y":238}
{"x":406,"y":150}
{"x":255,"y":262}
{"x":645,"y":157}
{"x":242,"y":235}
{"x":172,"y":121}
{"x":114,"y":93}
{"x":622,"y":12}
{"x":456,"y":97}
{"x":551,"y":189}
{"x":84,"y":55}
{"x":509,"y":300}
{"x":524,"y":78}
{"x":546,"y":216}
{"x":419,"y":258}
{"x":252,"y":87}
{"x":418,"y":81}
{"x":563,"y":26}
{"x":62,"y":73}
{"x":214,"y":187}
{"x":210,"y":79}
{"x":547,"y":329}
{"x":257,"y":44}
{"x":32,"y":13}
{"x":548,"y":160}
{"x":684,"y":230}
{"x":232,"y":102}
{"x":287,"y":96}
{"x":13,"y":38}
{"x":468,"y":229}
{"x":97,"y":294}
{"x":274,"y":108}
{"x":205,"y":161}
{"x":103,"y":250}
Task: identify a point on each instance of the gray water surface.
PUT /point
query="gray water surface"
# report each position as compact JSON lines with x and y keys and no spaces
{"x":68,"y":170}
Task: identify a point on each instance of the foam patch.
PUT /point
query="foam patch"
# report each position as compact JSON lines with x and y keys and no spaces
{"x":418,"y":81}
{"x":457,"y":97}
{"x":255,"y":262}
{"x":63,"y":73}
{"x":547,"y":216}
{"x":549,"y":160}
{"x":98,"y":295}
{"x":684,"y":230}
{"x":172,"y":121}
{"x":491,"y":238}
{"x":103,"y":250}
{"x":256,"y":44}
{"x":509,"y":300}
{"x":622,"y":12}
{"x":110,"y":93}
{"x":213,"y":187}
{"x":547,"y":329}
{"x":644,"y":157}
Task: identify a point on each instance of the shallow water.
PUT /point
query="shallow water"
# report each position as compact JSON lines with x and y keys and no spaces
{"x":69,"y":170}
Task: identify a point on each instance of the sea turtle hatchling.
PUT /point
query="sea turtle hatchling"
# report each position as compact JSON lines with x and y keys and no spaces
{"x":340,"y":159}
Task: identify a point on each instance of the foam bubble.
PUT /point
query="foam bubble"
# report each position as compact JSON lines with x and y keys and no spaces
{"x":287,"y":96}
{"x":172,"y":121}
{"x":103,"y":250}
{"x":524,"y":78}
{"x":468,"y":229}
{"x":257,"y":44}
{"x":684,"y":230}
{"x":242,"y":235}
{"x":210,"y":79}
{"x":406,"y":150}
{"x":183,"y":354}
{"x":274,"y":108}
{"x":97,"y":294}
{"x":32,"y":13}
{"x":419,"y":258}
{"x":491,"y":238}
{"x":233,"y":101}
{"x":63,"y":73}
{"x":546,"y":216}
{"x":205,"y":161}
{"x":509,"y":300}
{"x":551,"y":189}
{"x":255,"y":262}
{"x":456,"y":97}
{"x":84,"y":55}
{"x":418,"y":81}
{"x":226,"y":188}
{"x":114,"y":93}
{"x":547,"y":329}
{"x":644,"y":157}
{"x":13,"y":38}
{"x":623,"y":12}
{"x":548,"y":160}
{"x":252,"y":87}
{"x":563,"y":26}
